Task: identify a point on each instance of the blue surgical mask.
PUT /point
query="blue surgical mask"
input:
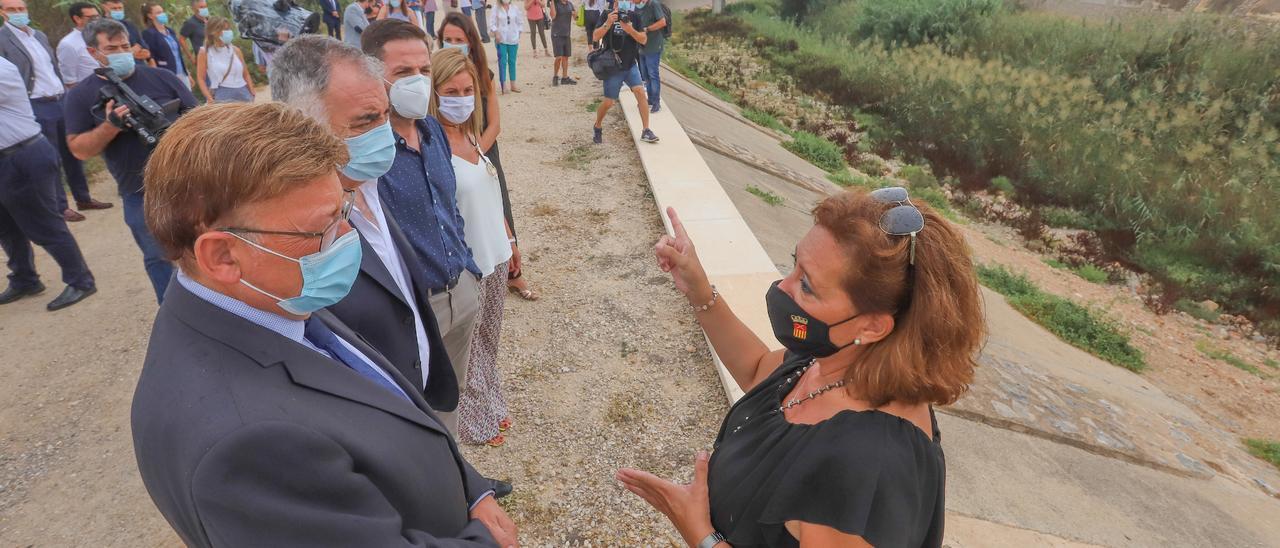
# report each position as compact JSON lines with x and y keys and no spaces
{"x":204,"y":12}
{"x":372,"y":153}
{"x":327,"y":276}
{"x":122,"y":63}
{"x":625,"y":6}
{"x":466,"y":50}
{"x":20,"y":19}
{"x":457,"y":109}
{"x":118,"y":15}
{"x":227,"y":36}
{"x":163,"y":19}
{"x":395,"y":3}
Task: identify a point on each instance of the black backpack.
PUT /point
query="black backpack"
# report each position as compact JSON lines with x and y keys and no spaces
{"x":666,"y":13}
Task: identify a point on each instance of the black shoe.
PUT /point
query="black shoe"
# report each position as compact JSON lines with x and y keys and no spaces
{"x":14,"y":293}
{"x":568,"y":81}
{"x":501,"y":488}
{"x":70,"y":296}
{"x":598,"y":136}
{"x":555,"y":80}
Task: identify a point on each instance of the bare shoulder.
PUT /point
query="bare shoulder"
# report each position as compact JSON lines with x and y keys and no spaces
{"x":768,"y":364}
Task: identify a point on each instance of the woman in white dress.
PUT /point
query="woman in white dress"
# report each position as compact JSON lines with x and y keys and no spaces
{"x":220,"y":69}
{"x":482,"y":409}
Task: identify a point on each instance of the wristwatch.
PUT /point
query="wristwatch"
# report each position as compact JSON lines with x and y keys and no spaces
{"x":712,"y":540}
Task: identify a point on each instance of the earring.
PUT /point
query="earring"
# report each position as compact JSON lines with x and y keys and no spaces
{"x":857,"y":342}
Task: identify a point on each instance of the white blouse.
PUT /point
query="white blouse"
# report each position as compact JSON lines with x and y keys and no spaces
{"x":507,"y":23}
{"x":480,"y":202}
{"x":220,"y":61}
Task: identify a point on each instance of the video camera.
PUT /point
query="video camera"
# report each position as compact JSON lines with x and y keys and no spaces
{"x":145,"y":117}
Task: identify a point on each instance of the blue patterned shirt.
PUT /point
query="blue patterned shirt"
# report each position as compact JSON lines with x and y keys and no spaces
{"x":421,"y":192}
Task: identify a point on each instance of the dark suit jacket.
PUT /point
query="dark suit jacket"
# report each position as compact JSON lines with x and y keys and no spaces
{"x":377,"y":311}
{"x":13,"y":50}
{"x":246,"y":438}
{"x":155,"y":42}
{"x":329,"y":6}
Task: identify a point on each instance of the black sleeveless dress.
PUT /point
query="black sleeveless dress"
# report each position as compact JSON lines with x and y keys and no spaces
{"x":865,"y":473}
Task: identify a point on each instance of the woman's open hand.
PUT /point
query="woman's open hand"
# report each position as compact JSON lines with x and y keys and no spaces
{"x":687,"y":506}
{"x":677,"y":257}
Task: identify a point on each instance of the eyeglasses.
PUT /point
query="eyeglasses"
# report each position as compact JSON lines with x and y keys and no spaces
{"x":903,"y":220}
{"x":327,"y":236}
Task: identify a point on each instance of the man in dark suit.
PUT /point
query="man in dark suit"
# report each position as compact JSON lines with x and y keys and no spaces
{"x":29,"y":50}
{"x":259,"y":418}
{"x":332,"y":17}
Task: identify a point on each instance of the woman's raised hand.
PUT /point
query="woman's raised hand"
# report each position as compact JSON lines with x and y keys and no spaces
{"x":677,"y":257}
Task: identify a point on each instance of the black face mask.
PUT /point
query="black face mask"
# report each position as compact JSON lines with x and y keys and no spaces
{"x":796,"y":329}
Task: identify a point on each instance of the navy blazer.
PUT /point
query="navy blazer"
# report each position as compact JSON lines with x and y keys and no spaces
{"x":246,"y":438}
{"x":155,"y":42}
{"x":11,"y":48}
{"x":377,"y":310}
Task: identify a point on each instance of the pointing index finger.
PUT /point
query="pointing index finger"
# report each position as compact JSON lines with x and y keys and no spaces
{"x":676,"y":226}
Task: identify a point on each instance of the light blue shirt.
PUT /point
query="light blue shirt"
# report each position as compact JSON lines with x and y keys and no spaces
{"x":17,"y":123}
{"x":285,"y":327}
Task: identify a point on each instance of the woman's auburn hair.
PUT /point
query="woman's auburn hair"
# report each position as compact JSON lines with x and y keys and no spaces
{"x":445,"y":65}
{"x":939,"y":326}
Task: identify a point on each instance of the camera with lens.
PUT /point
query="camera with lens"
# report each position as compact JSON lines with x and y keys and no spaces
{"x":146,"y":118}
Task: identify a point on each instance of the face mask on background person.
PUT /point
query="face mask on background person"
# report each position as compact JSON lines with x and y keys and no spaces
{"x":327,"y":276}
{"x":457,"y":109}
{"x":122,"y":63}
{"x":466,"y":49}
{"x":204,"y":12}
{"x":624,"y":6}
{"x":227,"y":36}
{"x":20,"y":19}
{"x":798,"y":331}
{"x":395,"y":3}
{"x":163,"y":19}
{"x":372,"y":153}
{"x":118,"y":15}
{"x":411,"y":96}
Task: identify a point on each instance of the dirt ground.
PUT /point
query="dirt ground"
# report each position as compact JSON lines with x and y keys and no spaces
{"x":607,"y":370}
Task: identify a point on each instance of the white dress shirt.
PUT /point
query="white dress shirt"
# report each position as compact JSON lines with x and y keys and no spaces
{"x":47,"y":84}
{"x":379,"y":239}
{"x":288,"y":328}
{"x":17,"y":122}
{"x":74,"y":59}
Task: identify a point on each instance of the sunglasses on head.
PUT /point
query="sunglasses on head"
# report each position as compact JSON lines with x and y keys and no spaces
{"x":904,"y":219}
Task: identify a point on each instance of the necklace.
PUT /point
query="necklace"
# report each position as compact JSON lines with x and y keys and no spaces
{"x":794,"y":401}
{"x":797,"y":401}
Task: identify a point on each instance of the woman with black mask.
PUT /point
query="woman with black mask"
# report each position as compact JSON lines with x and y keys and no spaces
{"x":835,"y":442}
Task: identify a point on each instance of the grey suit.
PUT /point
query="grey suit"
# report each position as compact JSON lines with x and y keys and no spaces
{"x":11,"y":48}
{"x":246,"y":438}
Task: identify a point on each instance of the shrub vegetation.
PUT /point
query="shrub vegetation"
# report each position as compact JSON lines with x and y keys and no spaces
{"x":1163,"y":133}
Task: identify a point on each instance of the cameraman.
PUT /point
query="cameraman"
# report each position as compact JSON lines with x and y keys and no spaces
{"x":621,"y":32}
{"x":94,"y":128}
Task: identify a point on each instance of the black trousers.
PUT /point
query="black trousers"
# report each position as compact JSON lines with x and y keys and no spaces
{"x":591,"y":20}
{"x":29,"y":214}
{"x":334,"y":25}
{"x":49,"y":116}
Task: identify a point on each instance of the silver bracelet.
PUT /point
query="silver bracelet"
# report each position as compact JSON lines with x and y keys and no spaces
{"x":712,"y":540}
{"x":715,"y":296}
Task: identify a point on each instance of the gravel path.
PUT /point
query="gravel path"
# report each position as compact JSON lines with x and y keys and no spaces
{"x":607,"y":370}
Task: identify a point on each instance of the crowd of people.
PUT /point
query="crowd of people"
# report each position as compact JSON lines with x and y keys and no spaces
{"x":332,"y":268}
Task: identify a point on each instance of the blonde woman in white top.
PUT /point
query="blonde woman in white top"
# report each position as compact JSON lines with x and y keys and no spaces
{"x":220,"y":69}
{"x":482,"y":409}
